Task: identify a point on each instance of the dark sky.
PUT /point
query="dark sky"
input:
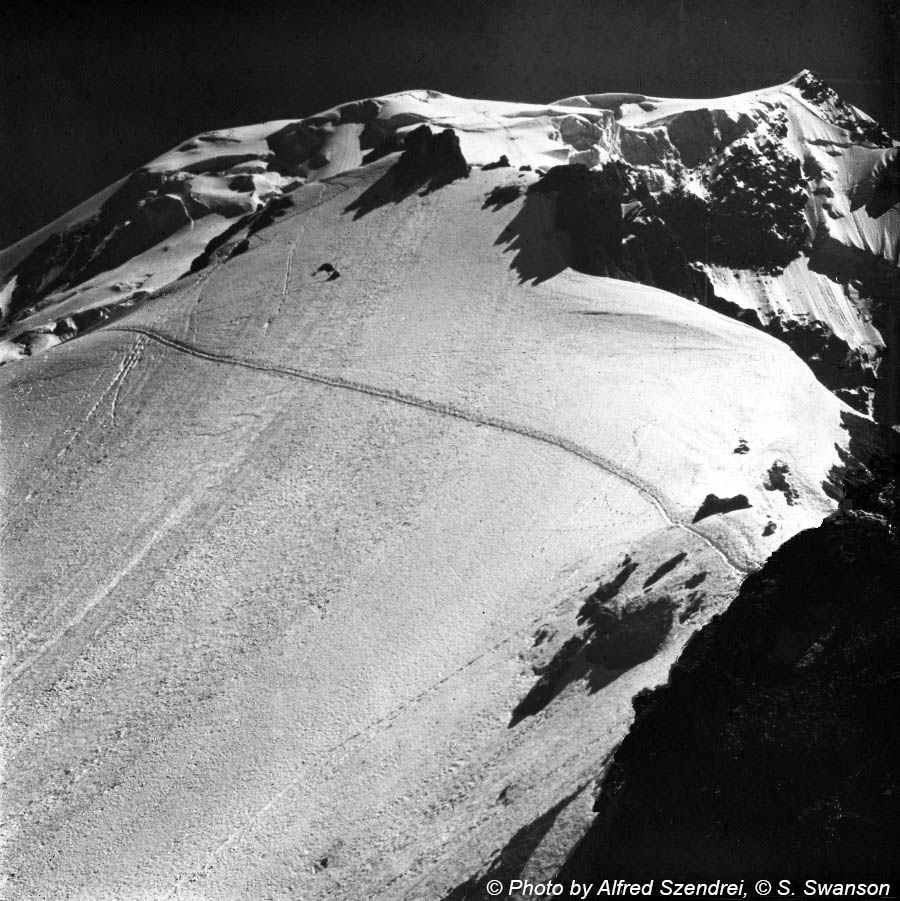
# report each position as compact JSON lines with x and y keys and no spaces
{"x":90,"y":90}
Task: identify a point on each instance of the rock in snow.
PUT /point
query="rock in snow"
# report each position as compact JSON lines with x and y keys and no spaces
{"x":332,"y":587}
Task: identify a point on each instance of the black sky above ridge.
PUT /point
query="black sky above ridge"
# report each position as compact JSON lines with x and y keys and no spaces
{"x":93,"y":90}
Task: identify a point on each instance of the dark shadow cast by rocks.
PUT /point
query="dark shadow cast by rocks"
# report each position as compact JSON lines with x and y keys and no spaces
{"x":588,"y":208}
{"x":513,"y":858}
{"x":664,"y":569}
{"x":539,"y":250}
{"x":613,"y":642}
{"x":502,"y":163}
{"x":620,"y":641}
{"x":567,"y":666}
{"x":569,"y":663}
{"x":868,"y":477}
{"x":713,"y":505}
{"x":777,"y":480}
{"x":691,"y":606}
{"x":598,"y":222}
{"x":382,"y":192}
{"x":616,"y":639}
{"x":429,"y":162}
{"x":501,"y":196}
{"x":605,"y":592}
{"x":696,"y":579}
{"x":884,"y":193}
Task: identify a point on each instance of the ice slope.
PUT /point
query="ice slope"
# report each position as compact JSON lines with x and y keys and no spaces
{"x":300,"y":571}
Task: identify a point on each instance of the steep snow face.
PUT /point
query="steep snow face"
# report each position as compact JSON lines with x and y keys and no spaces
{"x":781,"y":205}
{"x":340,"y":553}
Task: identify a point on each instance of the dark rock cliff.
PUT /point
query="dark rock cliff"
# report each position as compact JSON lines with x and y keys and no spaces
{"x":775,"y":747}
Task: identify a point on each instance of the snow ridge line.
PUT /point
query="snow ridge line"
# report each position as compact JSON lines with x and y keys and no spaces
{"x":445,"y":409}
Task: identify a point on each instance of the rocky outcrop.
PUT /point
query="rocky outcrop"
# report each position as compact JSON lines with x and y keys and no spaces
{"x":429,"y":157}
{"x":147,"y":210}
{"x":750,"y":216}
{"x":861,"y":128}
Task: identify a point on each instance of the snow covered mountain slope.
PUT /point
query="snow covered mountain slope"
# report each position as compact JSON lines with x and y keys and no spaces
{"x":334,"y":565}
{"x":777,"y":207}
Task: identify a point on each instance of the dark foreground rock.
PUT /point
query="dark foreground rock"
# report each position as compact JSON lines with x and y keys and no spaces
{"x":775,"y":748}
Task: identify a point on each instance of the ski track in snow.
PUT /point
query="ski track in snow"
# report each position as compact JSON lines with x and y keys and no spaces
{"x":114,"y":386}
{"x":121,"y":374}
{"x":235,"y":838}
{"x":174,"y":517}
{"x":289,"y":260}
{"x":128,"y":364}
{"x":444,"y":409}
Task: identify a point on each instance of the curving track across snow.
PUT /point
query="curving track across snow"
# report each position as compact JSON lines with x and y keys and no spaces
{"x":446,"y":409}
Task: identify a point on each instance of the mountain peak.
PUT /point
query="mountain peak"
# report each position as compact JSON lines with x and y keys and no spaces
{"x":815,"y":90}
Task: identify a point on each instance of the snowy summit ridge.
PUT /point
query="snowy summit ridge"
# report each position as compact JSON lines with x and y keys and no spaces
{"x":781,"y":202}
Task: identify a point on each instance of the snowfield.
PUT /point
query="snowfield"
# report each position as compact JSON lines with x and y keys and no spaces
{"x":339,"y":582}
